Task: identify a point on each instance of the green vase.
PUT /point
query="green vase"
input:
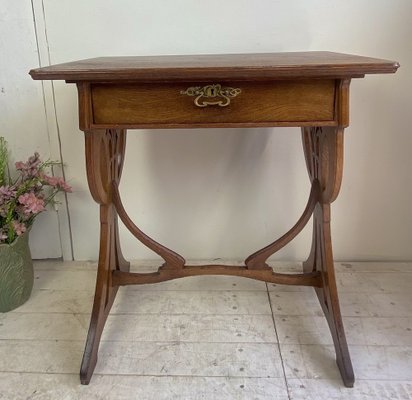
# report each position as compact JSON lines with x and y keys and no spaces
{"x":16,"y":273}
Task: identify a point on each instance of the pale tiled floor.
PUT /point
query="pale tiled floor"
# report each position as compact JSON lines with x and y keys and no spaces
{"x":210,"y":338}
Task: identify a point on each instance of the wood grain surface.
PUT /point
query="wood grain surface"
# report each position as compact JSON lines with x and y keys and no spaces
{"x":274,"y":101}
{"x":217,"y":66}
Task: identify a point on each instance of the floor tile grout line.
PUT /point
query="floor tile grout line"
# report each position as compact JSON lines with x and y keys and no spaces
{"x":203,"y":376}
{"x":114,"y":313}
{"x":278,"y":344}
{"x":148,"y":375}
{"x":140,"y":314}
{"x":142,"y":341}
{"x":174,"y":342}
{"x":143,"y":375}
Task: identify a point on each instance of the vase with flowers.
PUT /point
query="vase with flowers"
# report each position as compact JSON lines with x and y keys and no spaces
{"x":24,"y":194}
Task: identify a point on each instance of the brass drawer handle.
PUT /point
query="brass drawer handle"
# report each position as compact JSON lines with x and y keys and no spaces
{"x":214,"y":94}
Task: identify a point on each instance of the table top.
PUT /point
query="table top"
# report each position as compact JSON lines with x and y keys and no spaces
{"x":217,"y":66}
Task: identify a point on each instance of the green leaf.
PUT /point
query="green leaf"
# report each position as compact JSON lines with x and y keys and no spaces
{"x":3,"y":160}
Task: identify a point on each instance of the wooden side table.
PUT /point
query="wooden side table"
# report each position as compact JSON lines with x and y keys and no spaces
{"x":308,"y":90}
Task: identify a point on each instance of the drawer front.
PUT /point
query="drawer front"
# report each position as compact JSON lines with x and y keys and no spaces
{"x":191,"y":103}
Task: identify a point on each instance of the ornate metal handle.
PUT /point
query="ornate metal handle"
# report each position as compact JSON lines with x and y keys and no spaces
{"x":214,"y":94}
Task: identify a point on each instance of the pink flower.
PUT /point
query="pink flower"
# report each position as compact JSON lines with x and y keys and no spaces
{"x":57,"y":182}
{"x":31,"y":167}
{"x":50,"y":180}
{"x":19,"y":165}
{"x":31,"y":203}
{"x":19,"y":228}
{"x":6,"y":193}
{"x":64,"y":186}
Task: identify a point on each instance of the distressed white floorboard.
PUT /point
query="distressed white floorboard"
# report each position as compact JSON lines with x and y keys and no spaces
{"x":352,"y":304}
{"x":302,"y":330}
{"x":295,"y":303}
{"x":274,"y":287}
{"x":210,"y":337}
{"x":65,"y":279}
{"x":148,"y":302}
{"x":374,"y":266}
{"x":117,"y":387}
{"x":379,"y":282}
{"x":145,"y":327}
{"x":193,"y":302}
{"x":42,"y":326}
{"x":201,"y":328}
{"x":376,"y":304}
{"x":329,"y":389}
{"x":58,"y":301}
{"x":384,"y":331}
{"x":191,"y":359}
{"x":369,"y":362}
{"x":57,"y":265}
{"x":46,"y":356}
{"x":145,"y":358}
{"x":380,"y":331}
{"x":360,"y":282}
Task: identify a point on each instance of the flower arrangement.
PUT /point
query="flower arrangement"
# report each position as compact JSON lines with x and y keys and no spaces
{"x":26,"y":195}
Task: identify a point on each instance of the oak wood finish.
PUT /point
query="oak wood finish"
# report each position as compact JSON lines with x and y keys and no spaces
{"x":323,"y":149}
{"x":135,"y":106}
{"x":121,"y":278}
{"x":104,"y":158}
{"x":206,"y":67}
{"x":308,"y":90}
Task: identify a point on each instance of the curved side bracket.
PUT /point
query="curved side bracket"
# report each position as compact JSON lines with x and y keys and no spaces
{"x":323,"y":147}
{"x":172,"y":259}
{"x":258,"y":259}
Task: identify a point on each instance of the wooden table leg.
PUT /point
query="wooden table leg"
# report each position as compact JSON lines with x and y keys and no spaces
{"x":323,"y":149}
{"x":104,"y":162}
{"x":104,"y":156}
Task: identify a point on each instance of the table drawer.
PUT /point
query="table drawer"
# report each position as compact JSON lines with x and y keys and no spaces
{"x":208,"y":104}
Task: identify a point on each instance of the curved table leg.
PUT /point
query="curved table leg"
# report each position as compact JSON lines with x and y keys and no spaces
{"x":121,"y":263}
{"x":323,"y":148}
{"x":104,"y":161}
{"x":257,"y":260}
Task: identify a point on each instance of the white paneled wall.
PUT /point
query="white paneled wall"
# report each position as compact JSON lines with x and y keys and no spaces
{"x":223,"y":193}
{"x":22,"y":115}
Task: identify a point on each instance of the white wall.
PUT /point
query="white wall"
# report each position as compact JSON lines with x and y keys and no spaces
{"x":23,"y":120}
{"x":230,"y":192}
